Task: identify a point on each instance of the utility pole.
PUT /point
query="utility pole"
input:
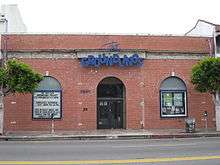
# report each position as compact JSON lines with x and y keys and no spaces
{"x":3,"y":57}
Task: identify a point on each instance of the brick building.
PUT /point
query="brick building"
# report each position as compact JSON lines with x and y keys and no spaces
{"x":108,"y":82}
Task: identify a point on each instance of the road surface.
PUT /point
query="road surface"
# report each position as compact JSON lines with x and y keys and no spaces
{"x":197,"y":151}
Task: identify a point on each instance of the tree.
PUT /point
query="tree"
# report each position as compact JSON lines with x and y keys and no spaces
{"x":206,"y":78}
{"x":16,"y":76}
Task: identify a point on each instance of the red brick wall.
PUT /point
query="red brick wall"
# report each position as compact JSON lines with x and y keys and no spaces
{"x":39,"y":42}
{"x":155,"y":72}
{"x":73,"y":78}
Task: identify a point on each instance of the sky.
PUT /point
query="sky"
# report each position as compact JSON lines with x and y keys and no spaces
{"x":116,"y":16}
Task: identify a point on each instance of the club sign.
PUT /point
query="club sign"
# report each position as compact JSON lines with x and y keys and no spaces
{"x":115,"y":59}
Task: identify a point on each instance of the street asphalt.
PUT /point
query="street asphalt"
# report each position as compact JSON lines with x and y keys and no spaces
{"x":143,"y":151}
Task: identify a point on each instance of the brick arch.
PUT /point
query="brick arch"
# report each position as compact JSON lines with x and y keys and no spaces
{"x":111,"y":98}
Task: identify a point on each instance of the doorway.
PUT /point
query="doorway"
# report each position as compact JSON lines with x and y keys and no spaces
{"x":111,"y":104}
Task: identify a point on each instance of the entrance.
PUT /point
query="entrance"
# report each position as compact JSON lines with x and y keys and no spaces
{"x":110,"y":104}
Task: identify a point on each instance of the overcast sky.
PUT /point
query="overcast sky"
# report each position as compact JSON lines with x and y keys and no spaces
{"x":116,"y":16}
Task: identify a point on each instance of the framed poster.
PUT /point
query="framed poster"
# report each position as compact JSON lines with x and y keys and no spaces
{"x":173,"y":104}
{"x":47,"y":105}
{"x":178,"y":99}
{"x":167,"y":99}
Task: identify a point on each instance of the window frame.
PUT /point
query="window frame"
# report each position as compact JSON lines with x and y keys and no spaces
{"x":184,"y":92}
{"x":49,"y":90}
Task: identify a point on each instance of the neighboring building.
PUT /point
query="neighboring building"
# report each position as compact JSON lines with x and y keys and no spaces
{"x":14,"y":22}
{"x":207,"y":29}
{"x":10,"y":22}
{"x":108,"y":81}
{"x":202,"y":29}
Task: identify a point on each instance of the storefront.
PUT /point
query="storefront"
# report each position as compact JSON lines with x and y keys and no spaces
{"x":108,"y":82}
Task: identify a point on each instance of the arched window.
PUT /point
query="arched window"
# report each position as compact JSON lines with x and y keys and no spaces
{"x":173,"y":98}
{"x":47,"y":99}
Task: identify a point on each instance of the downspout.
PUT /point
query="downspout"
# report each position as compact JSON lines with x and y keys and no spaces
{"x":214,"y":40}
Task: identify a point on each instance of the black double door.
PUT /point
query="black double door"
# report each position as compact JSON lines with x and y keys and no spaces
{"x":110,"y":104}
{"x":110,"y":113}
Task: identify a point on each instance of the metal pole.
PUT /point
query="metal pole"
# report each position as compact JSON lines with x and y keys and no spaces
{"x":206,"y":124}
{"x":3,"y":62}
{"x":52,"y":123}
{"x":52,"y":126}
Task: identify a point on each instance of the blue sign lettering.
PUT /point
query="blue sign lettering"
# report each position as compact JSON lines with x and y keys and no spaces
{"x":103,"y":60}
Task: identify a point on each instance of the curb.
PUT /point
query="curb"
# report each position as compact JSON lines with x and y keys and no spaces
{"x":104,"y":137}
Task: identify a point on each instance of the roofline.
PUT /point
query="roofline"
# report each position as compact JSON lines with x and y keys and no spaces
{"x":201,"y":20}
{"x":208,"y":22}
{"x":89,"y":33}
{"x":101,"y":34}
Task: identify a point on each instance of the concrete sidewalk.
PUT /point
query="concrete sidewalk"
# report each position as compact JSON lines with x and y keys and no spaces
{"x":107,"y":135}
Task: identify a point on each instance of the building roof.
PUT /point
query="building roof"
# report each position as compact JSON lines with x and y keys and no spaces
{"x":217,"y":26}
{"x":55,"y":42}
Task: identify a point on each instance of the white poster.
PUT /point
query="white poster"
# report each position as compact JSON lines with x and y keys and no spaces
{"x":46,"y":104}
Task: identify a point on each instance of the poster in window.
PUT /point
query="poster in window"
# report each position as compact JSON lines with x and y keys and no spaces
{"x":166,"y":110}
{"x":167,"y":99}
{"x":46,"y":104}
{"x":178,"y":99}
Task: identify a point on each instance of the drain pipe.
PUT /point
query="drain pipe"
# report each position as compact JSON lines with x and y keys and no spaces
{"x":143,"y":114}
{"x":142,"y":104}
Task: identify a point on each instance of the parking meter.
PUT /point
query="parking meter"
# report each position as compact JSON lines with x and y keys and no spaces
{"x":52,"y":122}
{"x":205,"y":114}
